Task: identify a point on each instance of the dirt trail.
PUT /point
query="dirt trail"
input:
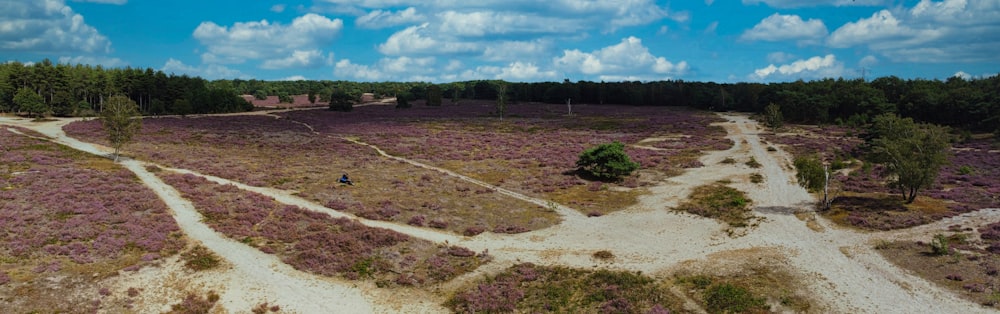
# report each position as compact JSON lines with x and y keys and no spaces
{"x":845,"y":274}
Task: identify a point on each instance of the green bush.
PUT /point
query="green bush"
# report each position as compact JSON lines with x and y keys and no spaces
{"x":810,"y":173}
{"x":939,"y":245}
{"x":607,"y":161}
{"x":727,"y":298}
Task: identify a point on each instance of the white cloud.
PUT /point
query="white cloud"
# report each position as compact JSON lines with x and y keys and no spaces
{"x":712,"y":27}
{"x":515,"y":71}
{"x":295,"y":78}
{"x":812,"y":68}
{"x":209,"y":71}
{"x":779,"y":57}
{"x":868,"y":61}
{"x":48,"y":26}
{"x":278,"y":8}
{"x":516,"y":50}
{"x":779,"y":27}
{"x":381,"y":19}
{"x":103,"y":61}
{"x":299,"y":59}
{"x":963,"y":75}
{"x":930,"y":31}
{"x":482,"y":23}
{"x":815,"y":3}
{"x":415,"y":40}
{"x":118,"y":2}
{"x":280,"y":45}
{"x":603,"y":15}
{"x":625,"y":58}
{"x":345,"y":69}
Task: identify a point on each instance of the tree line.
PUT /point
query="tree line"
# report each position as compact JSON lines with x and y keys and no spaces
{"x":83,"y":90}
{"x":972,"y":105}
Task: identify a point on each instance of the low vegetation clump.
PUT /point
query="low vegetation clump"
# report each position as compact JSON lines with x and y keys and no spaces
{"x":72,"y":216}
{"x":527,"y":288}
{"x":745,"y":282}
{"x":195,"y":304}
{"x":320,"y":244}
{"x":873,"y":211}
{"x":967,"y":266}
{"x":200,"y":258}
{"x":720,"y":202}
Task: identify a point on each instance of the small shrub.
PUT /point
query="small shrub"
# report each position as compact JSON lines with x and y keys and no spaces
{"x":939,"y":245}
{"x":132,"y":292}
{"x":193,"y":304}
{"x":200,"y":258}
{"x":965,"y":170}
{"x":729,"y":160}
{"x":607,"y":161}
{"x":727,"y":298}
{"x":473,"y":231}
{"x":756,"y":178}
{"x":438,"y":224}
{"x":604,"y":255}
{"x":771,"y":149}
{"x":460,"y":251}
{"x":752,"y":163}
{"x":954,"y":277}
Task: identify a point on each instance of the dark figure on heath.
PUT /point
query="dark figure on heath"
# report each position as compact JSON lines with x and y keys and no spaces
{"x":345,"y":180}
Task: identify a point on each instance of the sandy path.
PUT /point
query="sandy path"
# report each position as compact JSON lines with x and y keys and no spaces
{"x":844,"y":272}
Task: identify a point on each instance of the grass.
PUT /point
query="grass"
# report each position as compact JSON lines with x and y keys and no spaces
{"x":721,"y":202}
{"x":879,"y":211}
{"x":745,"y":281}
{"x":527,"y":288}
{"x":200,"y":258}
{"x":962,"y":266}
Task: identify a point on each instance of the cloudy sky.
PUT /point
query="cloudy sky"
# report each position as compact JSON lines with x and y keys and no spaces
{"x":514,"y":40}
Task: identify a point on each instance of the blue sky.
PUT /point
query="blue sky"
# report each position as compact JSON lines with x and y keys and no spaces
{"x":514,"y":40}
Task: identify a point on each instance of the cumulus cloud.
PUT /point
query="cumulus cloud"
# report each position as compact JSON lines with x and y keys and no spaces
{"x":779,"y":27}
{"x":210,"y":71}
{"x":816,"y":3}
{"x":779,"y":57}
{"x":628,"y":57}
{"x":118,"y":2}
{"x":812,"y":68}
{"x":103,"y":61}
{"x":299,"y":59}
{"x":515,"y":71}
{"x":607,"y":15}
{"x":949,"y":30}
{"x":963,"y":75}
{"x":48,"y":26}
{"x":278,"y":45}
{"x":516,"y":50}
{"x":381,"y":19}
{"x":416,"y":40}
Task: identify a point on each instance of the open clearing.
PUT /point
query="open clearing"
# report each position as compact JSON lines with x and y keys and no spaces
{"x":803,"y":261}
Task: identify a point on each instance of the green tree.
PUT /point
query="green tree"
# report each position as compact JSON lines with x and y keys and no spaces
{"x":121,"y":121}
{"x":29,"y":101}
{"x":912,"y":153}
{"x":501,"y":89}
{"x":772,"y":116}
{"x":260,"y":94}
{"x":340,"y":101}
{"x":607,"y":161}
{"x":434,"y":95}
{"x":403,"y":100}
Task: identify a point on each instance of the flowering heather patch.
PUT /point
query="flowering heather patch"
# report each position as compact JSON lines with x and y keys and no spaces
{"x":64,"y":213}
{"x":968,"y":183}
{"x":527,"y":288}
{"x":535,"y":150}
{"x":970,"y":271}
{"x":317,"y":243}
{"x":279,"y":153}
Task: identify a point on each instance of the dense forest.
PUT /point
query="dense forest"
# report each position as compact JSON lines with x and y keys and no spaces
{"x":81,"y":90}
{"x":972,"y":105}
